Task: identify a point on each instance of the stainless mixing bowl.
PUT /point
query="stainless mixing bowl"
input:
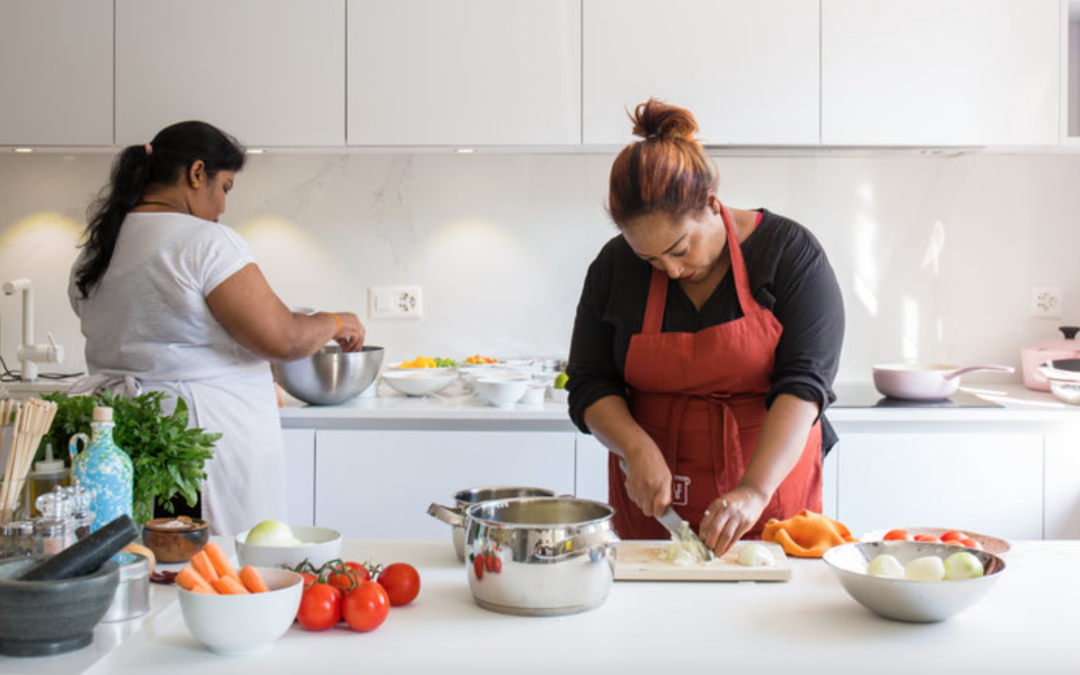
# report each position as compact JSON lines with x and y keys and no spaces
{"x":330,"y":376}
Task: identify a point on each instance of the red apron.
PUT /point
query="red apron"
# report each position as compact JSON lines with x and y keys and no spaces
{"x":701,"y":397}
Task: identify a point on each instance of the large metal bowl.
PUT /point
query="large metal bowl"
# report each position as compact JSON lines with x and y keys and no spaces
{"x":329,"y":376}
{"x":906,"y":599}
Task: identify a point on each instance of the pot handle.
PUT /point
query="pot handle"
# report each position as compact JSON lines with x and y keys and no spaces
{"x":447,"y":515}
{"x":575,"y":545}
{"x":960,"y":371}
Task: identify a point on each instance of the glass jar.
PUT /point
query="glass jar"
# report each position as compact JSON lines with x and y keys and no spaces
{"x":16,"y":539}
{"x":53,"y":530}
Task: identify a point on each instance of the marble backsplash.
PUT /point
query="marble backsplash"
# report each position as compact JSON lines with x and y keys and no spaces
{"x":936,"y":254}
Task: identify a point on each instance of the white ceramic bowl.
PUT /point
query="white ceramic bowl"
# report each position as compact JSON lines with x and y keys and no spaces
{"x":320,"y":544}
{"x":237,"y":624}
{"x":535,"y":393}
{"x":559,"y":395}
{"x":420,"y":381}
{"x":500,"y":392}
{"x":905,"y":599}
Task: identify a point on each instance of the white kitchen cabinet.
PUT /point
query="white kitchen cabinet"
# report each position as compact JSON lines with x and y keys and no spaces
{"x":464,"y":73}
{"x":926,"y":72}
{"x":374,"y":483}
{"x":747,"y":69}
{"x":977,"y":480}
{"x":270,"y":72}
{"x":56,"y":72}
{"x":1062,"y":484}
{"x":300,"y":475}
{"x":1070,"y":72}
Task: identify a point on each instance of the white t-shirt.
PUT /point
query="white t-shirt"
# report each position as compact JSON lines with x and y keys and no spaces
{"x":148,"y":315}
{"x":148,"y":319}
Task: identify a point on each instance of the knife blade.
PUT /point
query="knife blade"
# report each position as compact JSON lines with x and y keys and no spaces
{"x":672,"y":522}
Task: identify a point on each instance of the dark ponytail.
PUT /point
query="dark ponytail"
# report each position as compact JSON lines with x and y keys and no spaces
{"x":161,"y":162}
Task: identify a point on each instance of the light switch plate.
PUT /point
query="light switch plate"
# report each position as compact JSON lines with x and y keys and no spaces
{"x":395,"y":302}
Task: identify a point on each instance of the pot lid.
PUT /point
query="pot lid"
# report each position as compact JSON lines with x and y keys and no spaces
{"x":1069,"y":343}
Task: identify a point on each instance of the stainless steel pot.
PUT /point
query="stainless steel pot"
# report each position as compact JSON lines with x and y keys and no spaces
{"x":455,"y":515}
{"x":540,"y":556}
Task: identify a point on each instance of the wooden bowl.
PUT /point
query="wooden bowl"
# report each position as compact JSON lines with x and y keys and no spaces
{"x":175,"y":540}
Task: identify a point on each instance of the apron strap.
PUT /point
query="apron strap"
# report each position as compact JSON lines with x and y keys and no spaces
{"x":738,"y":265}
{"x":654,"y":308}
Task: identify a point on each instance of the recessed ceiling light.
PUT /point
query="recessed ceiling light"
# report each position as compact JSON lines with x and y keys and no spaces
{"x":255,"y":151}
{"x":465,"y":151}
{"x":24,"y":150}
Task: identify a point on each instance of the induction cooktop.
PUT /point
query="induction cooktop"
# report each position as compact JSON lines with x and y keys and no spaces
{"x":864,"y":395}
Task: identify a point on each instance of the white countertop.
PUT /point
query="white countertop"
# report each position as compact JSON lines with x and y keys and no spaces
{"x":807,"y":625}
{"x":456,"y":408}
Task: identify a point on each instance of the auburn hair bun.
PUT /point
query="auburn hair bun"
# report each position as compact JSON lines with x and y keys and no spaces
{"x":656,"y":119}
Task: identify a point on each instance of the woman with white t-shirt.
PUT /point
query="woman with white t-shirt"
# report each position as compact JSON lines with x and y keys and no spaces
{"x":170,"y":300}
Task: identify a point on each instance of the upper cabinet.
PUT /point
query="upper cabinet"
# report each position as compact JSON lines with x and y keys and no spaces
{"x":56,"y":79}
{"x":270,"y":72}
{"x":464,"y":73}
{"x":928,"y":72}
{"x":747,"y":69}
{"x":1070,"y":85}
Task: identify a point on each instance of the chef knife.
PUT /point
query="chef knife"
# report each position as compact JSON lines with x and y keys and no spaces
{"x":672,"y":522}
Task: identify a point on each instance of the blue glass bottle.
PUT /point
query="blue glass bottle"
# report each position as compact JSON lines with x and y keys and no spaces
{"x":104,"y":468}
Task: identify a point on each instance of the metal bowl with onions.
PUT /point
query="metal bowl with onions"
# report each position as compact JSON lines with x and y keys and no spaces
{"x":904,"y":599}
{"x":330,"y":376}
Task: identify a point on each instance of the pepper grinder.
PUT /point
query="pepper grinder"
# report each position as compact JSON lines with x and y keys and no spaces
{"x":53,"y":530}
{"x":82,"y":518}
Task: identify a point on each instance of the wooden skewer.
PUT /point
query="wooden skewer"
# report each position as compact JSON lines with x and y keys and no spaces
{"x":32,"y":421}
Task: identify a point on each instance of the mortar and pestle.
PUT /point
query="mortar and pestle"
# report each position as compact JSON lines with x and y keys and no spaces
{"x":51,"y":604}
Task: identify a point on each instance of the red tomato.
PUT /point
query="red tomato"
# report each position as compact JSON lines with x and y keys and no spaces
{"x":927,"y":538}
{"x":309,"y":578}
{"x":478,"y":566}
{"x":350,"y":576}
{"x":496,"y":564}
{"x":401,"y":582}
{"x":953,"y":535}
{"x":971,"y":543}
{"x":365,"y":607}
{"x":320,"y":607}
{"x":898,"y":535}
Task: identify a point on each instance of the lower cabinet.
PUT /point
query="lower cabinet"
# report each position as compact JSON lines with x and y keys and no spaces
{"x":1062,"y":484}
{"x":300,"y":475}
{"x":374,"y":483}
{"x":991,"y":483}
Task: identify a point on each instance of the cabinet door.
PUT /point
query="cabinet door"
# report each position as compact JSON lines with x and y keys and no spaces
{"x":1063,"y":484}
{"x":987,"y":483}
{"x":925,"y":72}
{"x":469,"y":72}
{"x":300,"y":474}
{"x":380,"y":483}
{"x":747,"y":69}
{"x":591,"y":479}
{"x":56,"y":72}
{"x":270,"y":72}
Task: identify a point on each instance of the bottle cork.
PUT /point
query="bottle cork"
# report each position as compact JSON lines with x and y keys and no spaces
{"x":102,"y":414}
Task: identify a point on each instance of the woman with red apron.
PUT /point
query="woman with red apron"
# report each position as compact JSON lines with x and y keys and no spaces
{"x":703,"y":422}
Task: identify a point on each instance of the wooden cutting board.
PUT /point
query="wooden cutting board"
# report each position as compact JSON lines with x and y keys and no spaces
{"x":641,"y":561}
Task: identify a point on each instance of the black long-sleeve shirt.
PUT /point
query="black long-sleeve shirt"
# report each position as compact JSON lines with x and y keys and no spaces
{"x":789,"y":275}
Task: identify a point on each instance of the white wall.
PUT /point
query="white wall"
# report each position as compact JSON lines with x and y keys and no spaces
{"x":935,"y":254}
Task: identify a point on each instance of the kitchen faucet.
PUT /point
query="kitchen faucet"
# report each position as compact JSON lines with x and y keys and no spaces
{"x":29,"y":353}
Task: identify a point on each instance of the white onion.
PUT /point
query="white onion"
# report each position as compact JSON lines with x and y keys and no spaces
{"x":272,"y":533}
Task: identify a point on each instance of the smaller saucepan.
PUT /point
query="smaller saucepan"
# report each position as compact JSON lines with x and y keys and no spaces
{"x":923,"y":381}
{"x":463,"y":499}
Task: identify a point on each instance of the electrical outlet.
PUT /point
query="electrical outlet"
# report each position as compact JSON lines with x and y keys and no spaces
{"x":395,"y":302}
{"x":1045,"y":302}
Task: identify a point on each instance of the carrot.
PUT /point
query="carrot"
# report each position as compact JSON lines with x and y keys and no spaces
{"x":191,"y":580}
{"x":201,"y":562}
{"x":230,"y":585}
{"x":253,"y":581}
{"x":221,"y":562}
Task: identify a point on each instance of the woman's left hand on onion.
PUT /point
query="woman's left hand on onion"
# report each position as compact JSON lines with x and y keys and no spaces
{"x":731,"y":516}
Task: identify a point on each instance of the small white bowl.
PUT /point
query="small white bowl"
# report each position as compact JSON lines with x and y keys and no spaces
{"x":535,"y":393}
{"x":239,"y":624}
{"x":320,"y":544}
{"x":418,"y":382}
{"x":500,"y":392}
{"x":559,"y":395}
